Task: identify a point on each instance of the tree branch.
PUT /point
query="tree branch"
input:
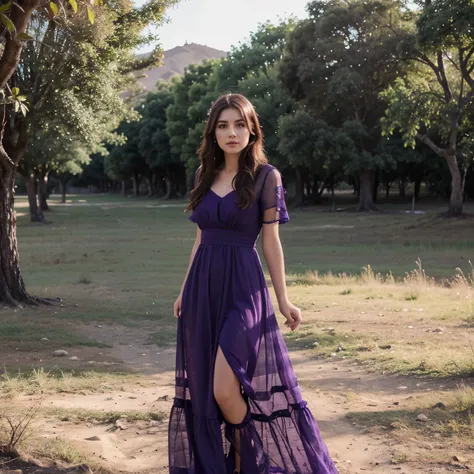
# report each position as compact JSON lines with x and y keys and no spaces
{"x":470,"y":54}
{"x":13,"y":46}
{"x":6,"y":162}
{"x":453,"y":137}
{"x":450,"y":59}
{"x":428,"y":142}
{"x":424,"y":59}
{"x":466,"y":73}
{"x":444,"y":82}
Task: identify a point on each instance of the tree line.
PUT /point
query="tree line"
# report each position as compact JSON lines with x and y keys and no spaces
{"x":366,"y":92}
{"x":362,"y":91}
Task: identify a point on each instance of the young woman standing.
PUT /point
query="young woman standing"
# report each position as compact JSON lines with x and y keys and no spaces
{"x":238,"y":407}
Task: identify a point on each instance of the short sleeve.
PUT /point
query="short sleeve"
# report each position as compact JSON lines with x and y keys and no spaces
{"x":193,"y":216}
{"x":273,"y":197}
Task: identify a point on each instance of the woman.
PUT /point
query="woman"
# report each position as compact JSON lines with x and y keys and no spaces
{"x":238,"y":407}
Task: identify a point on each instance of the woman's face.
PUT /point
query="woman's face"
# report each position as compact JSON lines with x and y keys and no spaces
{"x":232,"y":134}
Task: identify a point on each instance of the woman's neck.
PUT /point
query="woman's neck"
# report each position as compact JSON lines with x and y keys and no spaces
{"x":231,"y":163}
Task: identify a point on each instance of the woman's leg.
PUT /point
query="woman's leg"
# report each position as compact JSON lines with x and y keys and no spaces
{"x":229,"y":398}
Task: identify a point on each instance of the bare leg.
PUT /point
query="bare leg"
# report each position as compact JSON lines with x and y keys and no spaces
{"x":229,"y":398}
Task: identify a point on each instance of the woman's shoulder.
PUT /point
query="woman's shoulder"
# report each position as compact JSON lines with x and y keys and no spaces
{"x":267,"y":175}
{"x":265,"y":170}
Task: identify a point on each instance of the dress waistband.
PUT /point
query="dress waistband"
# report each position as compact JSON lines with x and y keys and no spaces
{"x":226,"y":237}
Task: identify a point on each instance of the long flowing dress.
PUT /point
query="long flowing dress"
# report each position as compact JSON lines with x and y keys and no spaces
{"x":226,"y":304}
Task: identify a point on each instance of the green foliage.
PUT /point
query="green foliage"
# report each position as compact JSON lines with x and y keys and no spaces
{"x":446,"y":24}
{"x":74,"y":79}
{"x":257,"y":56}
{"x":434,"y":103}
{"x":154,"y":142}
{"x":180,"y":120}
{"x":336,"y":64}
{"x":272,"y":102}
{"x":125,"y":159}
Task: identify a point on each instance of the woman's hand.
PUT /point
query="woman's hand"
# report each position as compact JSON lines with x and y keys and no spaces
{"x":177,"y":306}
{"x":292,"y":315}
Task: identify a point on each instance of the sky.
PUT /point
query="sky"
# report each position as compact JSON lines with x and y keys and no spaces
{"x":221,"y":24}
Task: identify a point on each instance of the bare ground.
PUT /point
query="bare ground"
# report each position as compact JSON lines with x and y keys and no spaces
{"x":333,"y":388}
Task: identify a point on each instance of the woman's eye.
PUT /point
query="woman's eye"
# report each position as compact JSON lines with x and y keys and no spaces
{"x":221,"y":126}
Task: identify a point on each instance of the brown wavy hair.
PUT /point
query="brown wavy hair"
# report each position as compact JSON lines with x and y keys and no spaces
{"x":252,"y":157}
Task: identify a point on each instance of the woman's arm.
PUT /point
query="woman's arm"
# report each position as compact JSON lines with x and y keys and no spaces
{"x":273,"y":252}
{"x":197,"y":242}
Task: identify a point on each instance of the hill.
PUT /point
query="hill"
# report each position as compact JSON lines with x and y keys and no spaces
{"x":176,"y":60}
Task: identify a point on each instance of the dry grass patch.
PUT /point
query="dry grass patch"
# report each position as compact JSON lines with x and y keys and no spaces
{"x":55,"y":449}
{"x":415,"y":325}
{"x":42,"y":381}
{"x":444,"y":437}
{"x":83,"y":415}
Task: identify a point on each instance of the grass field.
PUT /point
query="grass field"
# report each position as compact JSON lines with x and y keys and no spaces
{"x":391,"y":290}
{"x":122,"y":261}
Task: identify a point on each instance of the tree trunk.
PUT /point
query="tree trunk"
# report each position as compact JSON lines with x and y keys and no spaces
{"x":366,"y":202}
{"x":169,"y":187}
{"x":456,"y":200}
{"x":136,"y":184}
{"x":63,"y":190}
{"x":401,"y":187}
{"x":315,"y":189}
{"x":12,"y":288}
{"x":35,"y":214}
{"x":307,"y":186}
{"x":356,"y":185}
{"x":149,"y":183}
{"x":299,"y":198}
{"x":418,"y":182}
{"x":43,"y":193}
{"x":375,"y":191}
{"x":124,"y":191}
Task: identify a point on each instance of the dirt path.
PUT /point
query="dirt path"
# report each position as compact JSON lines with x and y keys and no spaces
{"x":141,"y":447}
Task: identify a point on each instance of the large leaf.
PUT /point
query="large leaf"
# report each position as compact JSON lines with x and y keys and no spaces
{"x":73,"y":5}
{"x":91,"y":15}
{"x":54,"y":8}
{"x":6,"y":7}
{"x":24,"y":37}
{"x":24,"y":109}
{"x":8,"y":23}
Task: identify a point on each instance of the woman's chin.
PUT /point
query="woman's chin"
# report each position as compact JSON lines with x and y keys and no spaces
{"x":232,"y":150}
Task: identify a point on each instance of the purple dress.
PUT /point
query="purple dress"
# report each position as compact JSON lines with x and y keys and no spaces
{"x":226,"y":303}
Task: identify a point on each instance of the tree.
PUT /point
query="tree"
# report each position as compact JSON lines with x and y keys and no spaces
{"x":92,"y":174}
{"x":125,"y":160}
{"x":15,"y":20}
{"x":186,"y":91}
{"x":69,"y":165}
{"x":336,"y":64}
{"x":272,"y":101}
{"x":154,"y":144}
{"x":433,"y":105}
{"x":316,"y":150}
{"x":85,"y":112}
